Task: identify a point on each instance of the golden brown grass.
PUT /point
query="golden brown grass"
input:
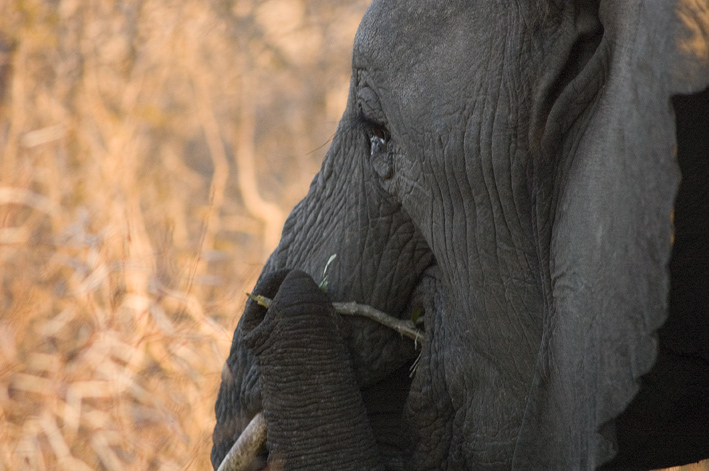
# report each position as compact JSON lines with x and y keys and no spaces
{"x":134,"y":211}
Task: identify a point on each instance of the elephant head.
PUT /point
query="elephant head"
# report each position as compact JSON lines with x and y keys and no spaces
{"x":510,"y":169}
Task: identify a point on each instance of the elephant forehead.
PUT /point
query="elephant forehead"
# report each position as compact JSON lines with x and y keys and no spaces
{"x":424,"y":58}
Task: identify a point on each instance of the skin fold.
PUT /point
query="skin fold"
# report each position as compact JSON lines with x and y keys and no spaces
{"x":510,"y":171}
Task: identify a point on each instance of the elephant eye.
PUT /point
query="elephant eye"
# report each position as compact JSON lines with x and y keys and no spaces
{"x":377,"y":133}
{"x":370,"y":114}
{"x":380,"y":149}
{"x":372,"y":118}
{"x":378,"y":139}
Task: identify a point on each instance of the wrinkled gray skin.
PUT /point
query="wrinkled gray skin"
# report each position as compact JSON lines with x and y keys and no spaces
{"x":510,"y":168}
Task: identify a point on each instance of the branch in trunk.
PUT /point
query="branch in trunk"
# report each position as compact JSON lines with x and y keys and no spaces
{"x":404,"y":327}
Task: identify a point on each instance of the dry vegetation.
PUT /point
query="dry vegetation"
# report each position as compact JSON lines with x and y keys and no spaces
{"x":134,"y":210}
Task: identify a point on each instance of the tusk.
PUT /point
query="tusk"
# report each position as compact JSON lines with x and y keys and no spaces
{"x":246,"y":446}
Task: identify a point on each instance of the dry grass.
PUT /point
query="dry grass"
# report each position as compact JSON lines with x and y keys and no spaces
{"x":133,"y":211}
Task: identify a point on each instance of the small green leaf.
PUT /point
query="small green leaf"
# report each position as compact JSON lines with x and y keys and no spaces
{"x":323,"y":284}
{"x":416,"y":315}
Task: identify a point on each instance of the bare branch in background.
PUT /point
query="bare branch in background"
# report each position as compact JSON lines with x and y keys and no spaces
{"x":220,"y":176}
{"x":270,"y":214}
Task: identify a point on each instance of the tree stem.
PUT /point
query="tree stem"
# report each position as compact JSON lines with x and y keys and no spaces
{"x":404,"y":327}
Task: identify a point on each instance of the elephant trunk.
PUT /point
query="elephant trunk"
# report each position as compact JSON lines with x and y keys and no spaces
{"x":307,"y":382}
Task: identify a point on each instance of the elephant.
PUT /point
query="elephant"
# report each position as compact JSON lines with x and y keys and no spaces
{"x":530,"y":179}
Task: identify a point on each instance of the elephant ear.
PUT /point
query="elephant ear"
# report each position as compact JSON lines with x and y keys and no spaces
{"x":610,"y":240}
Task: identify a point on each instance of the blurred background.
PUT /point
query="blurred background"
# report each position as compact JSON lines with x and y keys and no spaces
{"x":150,"y":151}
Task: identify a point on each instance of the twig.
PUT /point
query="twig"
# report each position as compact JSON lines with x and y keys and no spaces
{"x":404,"y":327}
{"x":246,"y":446}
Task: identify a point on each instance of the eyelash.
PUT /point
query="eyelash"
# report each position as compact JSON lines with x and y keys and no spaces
{"x":373,"y":129}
